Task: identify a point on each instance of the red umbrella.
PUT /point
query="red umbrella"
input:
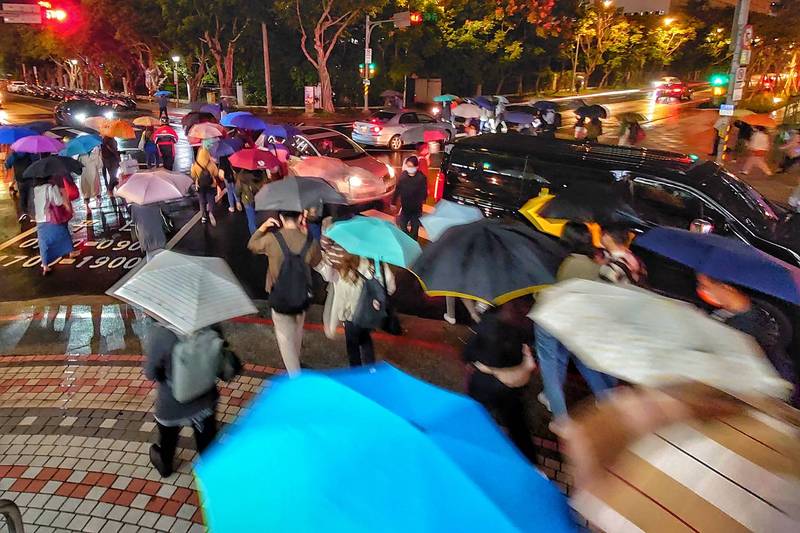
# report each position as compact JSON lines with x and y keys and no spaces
{"x":434,"y":135}
{"x":255,"y":159}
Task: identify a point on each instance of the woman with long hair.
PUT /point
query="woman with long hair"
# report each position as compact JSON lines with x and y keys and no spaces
{"x":52,"y":215}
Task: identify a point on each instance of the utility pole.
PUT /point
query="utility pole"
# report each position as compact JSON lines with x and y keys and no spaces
{"x":368,"y":58}
{"x":267,"y":81}
{"x":741,"y":34}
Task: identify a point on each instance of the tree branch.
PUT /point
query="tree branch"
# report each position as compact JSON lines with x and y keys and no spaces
{"x":304,"y":36}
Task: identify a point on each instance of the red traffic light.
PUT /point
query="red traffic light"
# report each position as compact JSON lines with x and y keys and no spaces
{"x":415,"y":17}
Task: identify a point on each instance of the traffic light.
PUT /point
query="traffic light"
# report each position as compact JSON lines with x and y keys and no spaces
{"x":371,"y":70}
{"x":430,"y":16}
{"x":362,"y":71}
{"x":719,"y":80}
{"x":415,"y":17}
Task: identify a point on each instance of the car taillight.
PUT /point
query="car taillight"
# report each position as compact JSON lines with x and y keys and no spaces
{"x":375,"y":129}
{"x":355,"y":125}
{"x":438,"y":186}
{"x":676,"y":90}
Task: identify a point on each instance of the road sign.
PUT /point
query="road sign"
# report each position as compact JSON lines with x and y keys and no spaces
{"x":741,"y":74}
{"x":747,"y":37}
{"x":744,"y":59}
{"x":22,"y":8}
{"x":726,"y":110}
{"x":21,"y":14}
{"x":737,"y":94}
{"x":401,"y":20}
{"x":367,"y":55}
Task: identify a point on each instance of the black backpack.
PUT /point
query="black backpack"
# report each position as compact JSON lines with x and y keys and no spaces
{"x":371,"y":309}
{"x":205,"y":179}
{"x":291,"y":292}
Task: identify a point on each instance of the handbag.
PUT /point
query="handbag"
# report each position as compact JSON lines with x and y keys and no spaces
{"x":71,"y":190}
{"x":58,"y":214}
{"x":370,"y":311}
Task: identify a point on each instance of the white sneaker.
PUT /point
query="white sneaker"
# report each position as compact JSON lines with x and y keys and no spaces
{"x":231,"y":209}
{"x":449,"y":319}
{"x":212,"y":219}
{"x":543,"y":400}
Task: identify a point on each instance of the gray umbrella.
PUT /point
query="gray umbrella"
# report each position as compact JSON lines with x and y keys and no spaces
{"x":297,"y":194}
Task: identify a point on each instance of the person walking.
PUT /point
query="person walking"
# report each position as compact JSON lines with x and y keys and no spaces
{"x":160,"y":344}
{"x":149,"y":226}
{"x":450,"y":309}
{"x":594,"y":130}
{"x":166,"y":149}
{"x":412,"y":190}
{"x":745,"y":133}
{"x":248,"y":183}
{"x":581,"y":130}
{"x":584,"y":262}
{"x":229,"y":178}
{"x":148,"y":146}
{"x":757,"y":148}
{"x":500,"y":366}
{"x":109,"y":151}
{"x":20,"y":161}
{"x":631,"y":133}
{"x":351,"y":273}
{"x":52,"y":215}
{"x":622,"y":265}
{"x":291,"y":253}
{"x":163,"y":101}
{"x":720,"y":127}
{"x":791,"y":151}
{"x":205,"y":174}
{"x":90,"y":176}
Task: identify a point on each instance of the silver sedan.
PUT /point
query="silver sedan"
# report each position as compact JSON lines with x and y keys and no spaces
{"x":396,"y":128}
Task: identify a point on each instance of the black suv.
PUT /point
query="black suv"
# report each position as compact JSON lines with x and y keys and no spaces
{"x":499,"y":173}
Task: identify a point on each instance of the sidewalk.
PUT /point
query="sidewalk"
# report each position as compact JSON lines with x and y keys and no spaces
{"x":76,"y":410}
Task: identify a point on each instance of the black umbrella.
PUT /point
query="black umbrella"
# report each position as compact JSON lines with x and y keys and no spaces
{"x":297,"y":194}
{"x":196,"y":117}
{"x":592,"y":111}
{"x":39,"y":126}
{"x":54,"y":165}
{"x":489,"y":260}
{"x":589,"y":204}
{"x":543,"y":105}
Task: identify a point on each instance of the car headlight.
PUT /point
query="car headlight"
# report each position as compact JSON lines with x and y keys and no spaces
{"x":80,"y":117}
{"x":109,"y":114}
{"x":355,"y":181}
{"x":3,"y":115}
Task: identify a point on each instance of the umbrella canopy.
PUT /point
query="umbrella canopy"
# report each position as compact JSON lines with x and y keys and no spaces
{"x":69,"y":132}
{"x":390,"y":93}
{"x":226,"y":120}
{"x":120,"y":129}
{"x":245,"y":122}
{"x":376,"y":239}
{"x":54,"y":165}
{"x":165,"y":130}
{"x":151,"y":187}
{"x":501,"y":99}
{"x":296,"y":194}
{"x":211,"y":109}
{"x":147,"y":122}
{"x":254,"y":159}
{"x":281,"y":131}
{"x":760,"y":120}
{"x":592,"y":111}
{"x":205,"y":130}
{"x":306,"y":436}
{"x":651,"y":340}
{"x":518,"y":117}
{"x":588,"y":204}
{"x":162,"y":93}
{"x":83,"y":144}
{"x":434,"y":135}
{"x":196,"y":117}
{"x":37,"y":144}
{"x":482,"y":101}
{"x":727,"y":260}
{"x":489,"y":260}
{"x":447,"y":214}
{"x":39,"y":126}
{"x":226,"y":147}
{"x":10,"y":134}
{"x":445,"y":98}
{"x":96,"y":123}
{"x":467,"y":111}
{"x":544,"y":105}
{"x":631,"y":117}
{"x":186,"y":291}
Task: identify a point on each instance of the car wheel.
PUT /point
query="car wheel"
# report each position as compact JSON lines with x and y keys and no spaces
{"x":395,"y":143}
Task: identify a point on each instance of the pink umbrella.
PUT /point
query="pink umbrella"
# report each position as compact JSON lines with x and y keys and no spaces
{"x":434,"y":135}
{"x":37,"y":144}
{"x":148,"y":188}
{"x":206,"y":130}
{"x":254,"y":159}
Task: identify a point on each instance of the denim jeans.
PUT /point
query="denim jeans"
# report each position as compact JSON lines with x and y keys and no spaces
{"x":205,"y":198}
{"x":250,"y":213}
{"x":553,"y":360}
{"x":232,"y":198}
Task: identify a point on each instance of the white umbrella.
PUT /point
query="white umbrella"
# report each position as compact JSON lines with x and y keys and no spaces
{"x":323,"y":167}
{"x":188,"y":292}
{"x":467,"y":111}
{"x":151,"y":187}
{"x":647,"y":339}
{"x":180,"y":180}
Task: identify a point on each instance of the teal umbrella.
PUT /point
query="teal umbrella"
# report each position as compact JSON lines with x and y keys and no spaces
{"x":83,"y":144}
{"x":375,"y":239}
{"x":445,"y":98}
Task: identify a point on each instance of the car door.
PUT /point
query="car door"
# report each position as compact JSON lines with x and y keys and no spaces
{"x":496,"y":183}
{"x":412,"y":131}
{"x":301,"y":147}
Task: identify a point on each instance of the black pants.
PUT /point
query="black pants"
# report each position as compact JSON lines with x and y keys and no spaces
{"x":25,"y":187}
{"x":360,"y":350}
{"x":715,"y":148}
{"x":505,"y":405}
{"x":167,"y":156}
{"x":409,"y":222}
{"x":168,"y":438}
{"x":162,"y":112}
{"x":110,"y":170}
{"x":788,"y":162}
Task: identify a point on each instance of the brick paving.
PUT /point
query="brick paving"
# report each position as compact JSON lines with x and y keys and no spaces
{"x":75,"y":430}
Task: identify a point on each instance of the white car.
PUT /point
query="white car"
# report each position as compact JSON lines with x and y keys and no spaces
{"x":15,"y":86}
{"x":396,"y":128}
{"x":376,"y":184}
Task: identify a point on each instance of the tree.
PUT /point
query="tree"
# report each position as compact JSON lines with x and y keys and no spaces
{"x":666,"y":40}
{"x":595,"y":32}
{"x":224,"y":53}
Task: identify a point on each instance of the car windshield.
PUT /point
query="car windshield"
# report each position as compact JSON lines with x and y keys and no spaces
{"x":337,"y":146}
{"x":382,"y":116}
{"x":746,"y":203}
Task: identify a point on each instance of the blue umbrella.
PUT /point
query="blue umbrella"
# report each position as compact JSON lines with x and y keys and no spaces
{"x":376,"y":239}
{"x":226,"y":120}
{"x":727,"y":260}
{"x":9,"y":134}
{"x":284,"y":131}
{"x":210,"y":108}
{"x":518,"y":117}
{"x":245,"y":122}
{"x":483,"y":102}
{"x":162,"y":93}
{"x":447,"y":214}
{"x":83,"y":144}
{"x":39,"y":126}
{"x":226,"y":147}
{"x":371,"y":449}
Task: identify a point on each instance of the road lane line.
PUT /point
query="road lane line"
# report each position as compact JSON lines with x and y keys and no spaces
{"x":19,"y":237}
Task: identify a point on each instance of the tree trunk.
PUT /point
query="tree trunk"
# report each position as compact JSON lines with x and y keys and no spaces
{"x":326,"y":89}
{"x":605,"y":78}
{"x":520,"y":86}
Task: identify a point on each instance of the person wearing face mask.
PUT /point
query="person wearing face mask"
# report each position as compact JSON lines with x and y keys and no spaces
{"x":412,"y":190}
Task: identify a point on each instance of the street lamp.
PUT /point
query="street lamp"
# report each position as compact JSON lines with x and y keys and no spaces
{"x":175,"y":61}
{"x":668,"y":21}
{"x":607,"y":3}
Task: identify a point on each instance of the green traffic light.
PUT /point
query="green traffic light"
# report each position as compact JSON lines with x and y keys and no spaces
{"x":718,"y":80}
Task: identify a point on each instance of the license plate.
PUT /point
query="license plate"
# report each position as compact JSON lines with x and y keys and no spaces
{"x":364,"y":129}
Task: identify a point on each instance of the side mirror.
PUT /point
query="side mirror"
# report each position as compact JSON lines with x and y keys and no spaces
{"x":700,"y":225}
